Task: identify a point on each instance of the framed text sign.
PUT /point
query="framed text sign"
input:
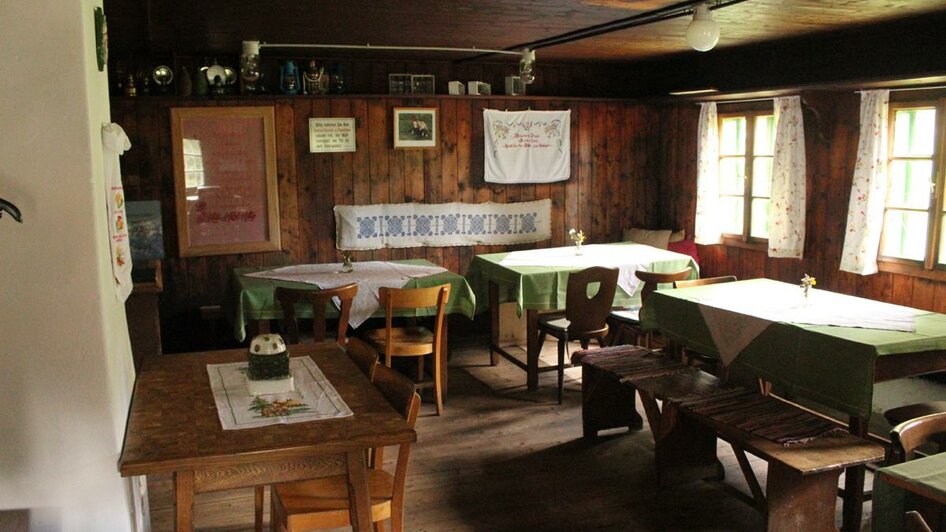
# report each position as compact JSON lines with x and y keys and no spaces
{"x":225,"y":180}
{"x":328,"y":135}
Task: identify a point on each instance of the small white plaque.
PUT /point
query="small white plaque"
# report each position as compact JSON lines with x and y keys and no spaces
{"x":328,"y":135}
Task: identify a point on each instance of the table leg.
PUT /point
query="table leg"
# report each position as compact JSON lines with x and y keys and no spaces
{"x":493,"y":322}
{"x":184,"y":501}
{"x":854,"y":483}
{"x":532,"y":349}
{"x":358,"y":497}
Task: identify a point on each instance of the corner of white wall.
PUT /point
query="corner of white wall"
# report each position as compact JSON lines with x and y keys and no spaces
{"x":66,"y":361}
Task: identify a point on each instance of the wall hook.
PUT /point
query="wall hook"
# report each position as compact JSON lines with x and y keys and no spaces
{"x":11,"y":209}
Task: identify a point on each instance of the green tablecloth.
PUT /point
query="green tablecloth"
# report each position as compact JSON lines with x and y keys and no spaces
{"x":833,"y":366}
{"x":252,"y":298}
{"x":544,"y":287}
{"x":895,"y":485}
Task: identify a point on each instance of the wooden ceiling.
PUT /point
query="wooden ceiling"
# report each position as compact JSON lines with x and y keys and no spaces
{"x":220,"y":25}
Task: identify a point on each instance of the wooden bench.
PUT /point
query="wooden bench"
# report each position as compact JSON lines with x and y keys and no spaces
{"x":688,"y":408}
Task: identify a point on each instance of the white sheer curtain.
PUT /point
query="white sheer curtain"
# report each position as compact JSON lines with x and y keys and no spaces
{"x":708,"y":229}
{"x":787,"y":213}
{"x":865,"y":213}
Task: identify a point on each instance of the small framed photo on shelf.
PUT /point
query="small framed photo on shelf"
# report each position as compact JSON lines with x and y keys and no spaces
{"x":422,"y":84}
{"x":415,"y":127}
{"x":399,"y":83}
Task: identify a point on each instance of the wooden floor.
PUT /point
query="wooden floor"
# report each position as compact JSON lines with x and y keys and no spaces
{"x":505,"y":459}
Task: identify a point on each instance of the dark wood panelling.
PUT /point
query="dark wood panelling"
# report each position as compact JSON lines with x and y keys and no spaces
{"x":831,"y":136}
{"x":613,"y":146}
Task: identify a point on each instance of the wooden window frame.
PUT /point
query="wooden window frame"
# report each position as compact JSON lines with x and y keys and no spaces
{"x":927,"y":268}
{"x":750,"y":111}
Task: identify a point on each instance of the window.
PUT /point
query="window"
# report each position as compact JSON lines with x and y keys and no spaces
{"x":746,"y":147}
{"x":914,"y":214}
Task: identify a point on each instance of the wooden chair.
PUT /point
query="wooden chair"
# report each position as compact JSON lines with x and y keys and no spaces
{"x":585,"y":316}
{"x":902,"y":414}
{"x":318,"y":298}
{"x":906,"y":437}
{"x":711,"y":363}
{"x":363,"y":355}
{"x":413,"y":341}
{"x":687,"y":283}
{"x":627,"y":322}
{"x":323,"y":503}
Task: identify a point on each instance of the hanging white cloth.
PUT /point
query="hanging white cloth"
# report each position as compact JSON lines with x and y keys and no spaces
{"x":708,"y":229}
{"x":526,"y":146}
{"x":114,"y":143}
{"x":787,"y":213}
{"x":865,"y":213}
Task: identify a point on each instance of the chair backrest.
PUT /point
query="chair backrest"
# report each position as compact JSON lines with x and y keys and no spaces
{"x":318,"y":298}
{"x":687,"y":283}
{"x":586,"y":313}
{"x":653,"y":279}
{"x":363,"y":355}
{"x":906,"y":437}
{"x":401,"y":394}
{"x":414,"y":298}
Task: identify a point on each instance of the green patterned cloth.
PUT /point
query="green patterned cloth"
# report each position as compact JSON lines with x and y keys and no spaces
{"x":833,"y":366}
{"x":252,"y":298}
{"x":891,"y":502}
{"x":544,"y":287}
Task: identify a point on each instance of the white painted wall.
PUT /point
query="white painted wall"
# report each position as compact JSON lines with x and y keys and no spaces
{"x":66,"y":370}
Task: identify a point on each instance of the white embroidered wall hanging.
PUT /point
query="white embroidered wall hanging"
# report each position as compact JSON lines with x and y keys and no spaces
{"x":526,"y":146}
{"x":404,"y":225}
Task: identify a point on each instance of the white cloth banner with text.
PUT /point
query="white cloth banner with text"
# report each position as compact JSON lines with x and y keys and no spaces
{"x":405,"y":225}
{"x":526,"y":146}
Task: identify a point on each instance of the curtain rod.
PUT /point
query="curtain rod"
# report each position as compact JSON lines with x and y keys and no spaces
{"x":472,"y":49}
{"x":904,"y":89}
{"x":746,"y":100}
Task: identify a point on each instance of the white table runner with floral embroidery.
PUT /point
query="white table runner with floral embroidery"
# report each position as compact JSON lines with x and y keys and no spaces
{"x":404,"y":225}
{"x":314,"y":397}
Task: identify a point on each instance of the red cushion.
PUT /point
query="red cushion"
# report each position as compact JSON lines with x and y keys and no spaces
{"x":687,"y":247}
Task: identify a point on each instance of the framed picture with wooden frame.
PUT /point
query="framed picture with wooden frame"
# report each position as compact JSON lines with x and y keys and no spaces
{"x":225,"y":180}
{"x":415,"y":127}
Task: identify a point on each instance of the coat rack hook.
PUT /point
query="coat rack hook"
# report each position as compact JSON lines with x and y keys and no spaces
{"x":11,"y":209}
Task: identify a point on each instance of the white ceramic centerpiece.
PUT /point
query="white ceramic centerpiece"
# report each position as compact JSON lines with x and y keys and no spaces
{"x":268,"y":369}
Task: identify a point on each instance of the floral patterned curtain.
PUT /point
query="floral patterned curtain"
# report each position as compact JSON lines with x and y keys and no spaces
{"x":708,"y":229}
{"x":865,"y":214}
{"x":787,"y":213}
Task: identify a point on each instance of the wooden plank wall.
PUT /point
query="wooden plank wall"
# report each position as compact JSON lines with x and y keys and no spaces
{"x":831,"y":136}
{"x":614,"y":147}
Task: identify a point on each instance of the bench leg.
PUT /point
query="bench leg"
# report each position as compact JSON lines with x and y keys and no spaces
{"x":606,"y":403}
{"x":800,"y":502}
{"x":684,"y":451}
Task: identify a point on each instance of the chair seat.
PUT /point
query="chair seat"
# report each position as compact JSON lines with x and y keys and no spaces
{"x":629,"y":316}
{"x":407,"y":341}
{"x":323,"y":503}
{"x":558,"y":326}
{"x":905,"y":413}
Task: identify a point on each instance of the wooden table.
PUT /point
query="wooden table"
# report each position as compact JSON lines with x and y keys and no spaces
{"x":173,"y":427}
{"x":895,"y":485}
{"x":833,"y":366}
{"x":543,"y":287}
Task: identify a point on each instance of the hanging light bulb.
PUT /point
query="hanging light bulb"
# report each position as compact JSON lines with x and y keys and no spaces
{"x":703,"y":31}
{"x":527,"y":66}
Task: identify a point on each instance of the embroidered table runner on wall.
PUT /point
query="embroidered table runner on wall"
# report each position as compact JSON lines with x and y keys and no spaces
{"x":404,"y":225}
{"x":526,"y":146}
{"x":370,"y":276}
{"x":314,"y":397}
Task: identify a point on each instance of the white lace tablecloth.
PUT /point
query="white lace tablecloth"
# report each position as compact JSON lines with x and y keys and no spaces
{"x":314,"y":397}
{"x":370,"y":276}
{"x":627,"y":259}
